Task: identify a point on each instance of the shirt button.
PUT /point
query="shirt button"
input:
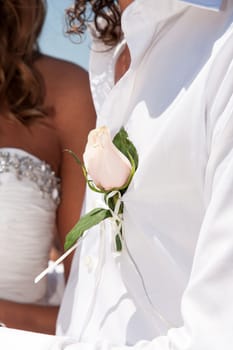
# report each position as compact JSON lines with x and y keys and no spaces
{"x":89,"y":263}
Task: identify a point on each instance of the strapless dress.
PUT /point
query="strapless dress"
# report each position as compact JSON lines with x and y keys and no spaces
{"x":29,"y":195}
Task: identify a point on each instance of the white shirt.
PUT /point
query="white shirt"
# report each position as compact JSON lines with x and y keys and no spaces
{"x":171,"y":288}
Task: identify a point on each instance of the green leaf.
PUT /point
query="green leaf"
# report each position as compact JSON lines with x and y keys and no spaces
{"x":123,"y":143}
{"x":87,"y":221}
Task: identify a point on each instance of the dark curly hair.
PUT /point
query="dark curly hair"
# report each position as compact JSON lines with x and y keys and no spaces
{"x":105,"y":14}
{"x":21,"y":93}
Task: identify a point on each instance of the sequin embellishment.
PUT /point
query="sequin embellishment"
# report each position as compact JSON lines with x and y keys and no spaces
{"x":33,"y":169}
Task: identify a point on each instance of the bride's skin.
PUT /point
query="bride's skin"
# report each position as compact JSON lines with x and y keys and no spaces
{"x":124,"y":3}
{"x":72,"y":116}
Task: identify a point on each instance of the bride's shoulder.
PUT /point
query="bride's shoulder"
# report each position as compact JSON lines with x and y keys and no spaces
{"x":61,"y":74}
{"x":67,"y":89}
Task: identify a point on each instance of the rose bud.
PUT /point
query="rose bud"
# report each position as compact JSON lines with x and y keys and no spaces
{"x":107,"y":166}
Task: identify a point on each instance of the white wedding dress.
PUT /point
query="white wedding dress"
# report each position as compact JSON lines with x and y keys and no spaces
{"x":29,"y":194}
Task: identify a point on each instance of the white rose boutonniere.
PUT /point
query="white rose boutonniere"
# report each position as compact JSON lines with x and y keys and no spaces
{"x":109,"y":166}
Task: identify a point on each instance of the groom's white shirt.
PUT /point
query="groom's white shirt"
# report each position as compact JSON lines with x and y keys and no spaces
{"x":171,"y":288}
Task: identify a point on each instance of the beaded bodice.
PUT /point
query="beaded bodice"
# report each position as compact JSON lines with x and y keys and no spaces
{"x":27,"y":166}
{"x":29,"y":194}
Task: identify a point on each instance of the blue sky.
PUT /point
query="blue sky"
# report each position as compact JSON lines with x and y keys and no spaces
{"x":53,"y":40}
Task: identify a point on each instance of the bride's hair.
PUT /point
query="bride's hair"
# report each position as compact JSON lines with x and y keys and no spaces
{"x":20,"y":84}
{"x":105,"y":14}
